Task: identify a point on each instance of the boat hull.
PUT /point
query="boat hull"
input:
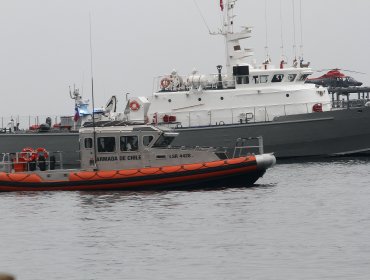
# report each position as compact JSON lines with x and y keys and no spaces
{"x":342,"y":132}
{"x":240,"y":172}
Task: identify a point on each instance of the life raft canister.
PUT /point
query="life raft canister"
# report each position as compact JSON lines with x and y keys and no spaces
{"x":134,"y":105}
{"x":28,"y":154}
{"x":165,"y":83}
{"x":42,"y":152}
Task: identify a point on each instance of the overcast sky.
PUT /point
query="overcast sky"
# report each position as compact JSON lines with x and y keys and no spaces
{"x":45,"y":44}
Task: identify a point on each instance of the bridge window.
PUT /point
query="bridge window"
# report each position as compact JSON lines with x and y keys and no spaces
{"x":147,"y":139}
{"x":303,"y":77}
{"x":291,"y":77}
{"x":277,"y":78}
{"x":163,"y":141}
{"x":88,"y":143}
{"x":242,"y":80}
{"x":264,"y":79}
{"x":106,"y":144}
{"x":128,"y":143}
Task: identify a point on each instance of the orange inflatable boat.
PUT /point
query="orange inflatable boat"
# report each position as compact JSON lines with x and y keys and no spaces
{"x":238,"y":172}
{"x":126,"y":157}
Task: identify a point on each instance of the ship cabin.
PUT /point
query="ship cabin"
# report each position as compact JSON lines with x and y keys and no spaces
{"x":120,"y":145}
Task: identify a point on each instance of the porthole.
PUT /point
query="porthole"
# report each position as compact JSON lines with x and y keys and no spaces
{"x":287,"y":95}
{"x":222,"y":98}
{"x":199,"y":99}
{"x":169,"y":100}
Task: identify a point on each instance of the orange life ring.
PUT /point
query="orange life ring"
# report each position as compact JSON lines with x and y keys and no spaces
{"x":28,"y":154}
{"x":134,"y":105}
{"x":165,"y":83}
{"x":42,"y":152}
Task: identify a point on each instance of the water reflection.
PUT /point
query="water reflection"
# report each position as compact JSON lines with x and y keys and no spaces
{"x":104,"y":199}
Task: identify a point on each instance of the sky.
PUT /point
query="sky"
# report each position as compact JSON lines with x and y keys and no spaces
{"x":45,"y":44}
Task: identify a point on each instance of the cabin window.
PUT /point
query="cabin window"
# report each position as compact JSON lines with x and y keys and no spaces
{"x":291,"y":77}
{"x":264,"y":79}
{"x":277,"y":78}
{"x":163,"y":141}
{"x":303,"y":77}
{"x":106,"y":144}
{"x":128,"y":143}
{"x":242,"y":80}
{"x":237,"y":48}
{"x":88,"y":143}
{"x":147,"y":139}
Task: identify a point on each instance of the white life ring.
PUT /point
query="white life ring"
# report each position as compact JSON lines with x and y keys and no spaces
{"x":165,"y":83}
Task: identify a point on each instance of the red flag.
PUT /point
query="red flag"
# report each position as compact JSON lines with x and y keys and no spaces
{"x":221,"y":5}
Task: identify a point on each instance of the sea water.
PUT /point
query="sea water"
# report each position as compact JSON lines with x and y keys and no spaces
{"x":306,"y":220}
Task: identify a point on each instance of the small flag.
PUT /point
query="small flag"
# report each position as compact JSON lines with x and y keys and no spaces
{"x":221,"y":5}
{"x":77,"y":115}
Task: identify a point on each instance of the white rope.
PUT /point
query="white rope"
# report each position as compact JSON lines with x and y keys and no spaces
{"x":266,"y":31}
{"x":204,"y":20}
{"x":281,"y":31}
{"x":300,"y":15}
{"x":294,"y":39}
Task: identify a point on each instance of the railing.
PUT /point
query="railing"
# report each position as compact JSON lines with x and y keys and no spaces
{"x":240,"y":115}
{"x":182,"y":83}
{"x":196,"y":81}
{"x":20,"y":124}
{"x":242,"y":148}
{"x":352,"y":103}
{"x":23,"y":162}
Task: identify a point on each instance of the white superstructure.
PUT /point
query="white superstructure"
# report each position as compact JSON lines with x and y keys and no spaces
{"x":245,"y":93}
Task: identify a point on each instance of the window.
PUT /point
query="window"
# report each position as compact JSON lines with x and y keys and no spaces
{"x":147,"y":139}
{"x":277,"y":78}
{"x":237,"y":48}
{"x":291,"y":77}
{"x":128,"y":143}
{"x":106,"y":144}
{"x":264,"y":79}
{"x":163,"y":141}
{"x":303,"y":77}
{"x":88,"y":143}
{"x":242,"y":80}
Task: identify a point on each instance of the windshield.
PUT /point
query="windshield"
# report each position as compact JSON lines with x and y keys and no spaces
{"x":163,"y":141}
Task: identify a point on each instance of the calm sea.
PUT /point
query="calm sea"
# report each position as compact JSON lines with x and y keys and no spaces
{"x":308,"y":220}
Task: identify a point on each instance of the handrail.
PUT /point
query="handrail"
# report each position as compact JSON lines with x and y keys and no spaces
{"x":13,"y":162}
{"x":238,"y":115}
{"x":241,"y":145}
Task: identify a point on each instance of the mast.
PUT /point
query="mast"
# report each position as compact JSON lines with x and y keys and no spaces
{"x":235,"y":54}
{"x":92,"y":97}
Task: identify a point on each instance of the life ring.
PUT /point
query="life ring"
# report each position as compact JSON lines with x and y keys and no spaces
{"x":42,"y":152}
{"x":134,"y":105}
{"x":28,"y":154}
{"x":165,"y":83}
